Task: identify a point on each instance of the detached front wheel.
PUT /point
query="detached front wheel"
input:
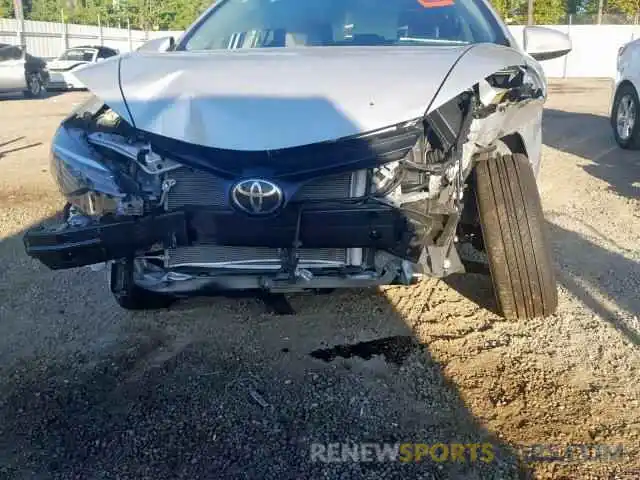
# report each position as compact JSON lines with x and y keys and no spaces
{"x":515,"y":239}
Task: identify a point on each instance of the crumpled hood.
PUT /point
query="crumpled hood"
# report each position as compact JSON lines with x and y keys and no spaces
{"x":271,"y":99}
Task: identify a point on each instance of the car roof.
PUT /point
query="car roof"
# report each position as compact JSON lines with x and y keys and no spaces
{"x":95,"y":47}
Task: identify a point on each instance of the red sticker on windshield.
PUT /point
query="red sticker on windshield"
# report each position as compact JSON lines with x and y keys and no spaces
{"x":435,"y":3}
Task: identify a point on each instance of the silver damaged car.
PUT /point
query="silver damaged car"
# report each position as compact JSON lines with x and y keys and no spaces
{"x":293,"y":145}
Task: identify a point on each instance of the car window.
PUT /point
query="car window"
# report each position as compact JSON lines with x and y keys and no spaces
{"x":284,"y":23}
{"x":79,"y":54}
{"x":10,"y":52}
{"x":104,"y":53}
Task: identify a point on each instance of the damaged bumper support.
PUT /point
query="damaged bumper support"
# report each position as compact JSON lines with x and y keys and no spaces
{"x":62,"y":246}
{"x":357,"y":226}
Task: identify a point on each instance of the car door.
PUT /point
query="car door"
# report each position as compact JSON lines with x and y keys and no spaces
{"x":12,"y":74}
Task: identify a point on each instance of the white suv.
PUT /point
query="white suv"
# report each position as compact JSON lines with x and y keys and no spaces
{"x":626,"y":105}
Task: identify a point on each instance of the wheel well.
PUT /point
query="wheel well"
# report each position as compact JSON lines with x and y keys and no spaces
{"x":623,"y":84}
{"x":514,"y":143}
{"x":470,"y":217}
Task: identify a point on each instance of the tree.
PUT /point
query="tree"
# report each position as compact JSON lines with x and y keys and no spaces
{"x":179,"y":14}
{"x":6,"y":9}
{"x":550,"y":12}
{"x":627,"y":7}
{"x":45,"y":10}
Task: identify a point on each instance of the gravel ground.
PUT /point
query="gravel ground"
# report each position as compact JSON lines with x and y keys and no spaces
{"x":217,"y":388}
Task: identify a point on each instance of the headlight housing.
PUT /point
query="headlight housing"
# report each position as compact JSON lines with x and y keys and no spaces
{"x":384,"y":178}
{"x":401,"y":176}
{"x":420,"y":172}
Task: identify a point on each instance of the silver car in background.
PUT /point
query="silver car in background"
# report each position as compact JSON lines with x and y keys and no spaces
{"x":21,"y":72}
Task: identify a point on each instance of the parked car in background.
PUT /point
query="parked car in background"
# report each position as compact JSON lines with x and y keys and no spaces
{"x":61,"y":69}
{"x":625,"y":110}
{"x":21,"y":72}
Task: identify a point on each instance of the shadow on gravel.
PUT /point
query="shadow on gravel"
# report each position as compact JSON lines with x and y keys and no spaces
{"x":590,"y":137}
{"x":477,"y":288}
{"x":583,"y":267}
{"x":587,"y":267}
{"x":217,"y":388}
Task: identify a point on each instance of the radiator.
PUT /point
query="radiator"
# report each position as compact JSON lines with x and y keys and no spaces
{"x":196,"y":188}
{"x":221,"y":256}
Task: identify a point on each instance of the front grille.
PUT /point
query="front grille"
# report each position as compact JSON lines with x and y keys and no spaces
{"x":204,"y":190}
{"x":200,"y":189}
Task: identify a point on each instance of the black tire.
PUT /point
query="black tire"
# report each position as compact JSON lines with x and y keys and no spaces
{"x":35,"y":87}
{"x":514,"y":233}
{"x":128,"y":295}
{"x":626,"y":93}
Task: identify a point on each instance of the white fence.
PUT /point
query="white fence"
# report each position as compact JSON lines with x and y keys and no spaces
{"x":595,"y":47}
{"x":48,"y":39}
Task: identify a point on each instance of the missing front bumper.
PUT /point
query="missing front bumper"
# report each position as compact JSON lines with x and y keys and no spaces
{"x":355,"y":226}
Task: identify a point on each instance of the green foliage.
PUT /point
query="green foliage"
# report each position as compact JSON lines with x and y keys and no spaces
{"x":143,"y":14}
{"x":550,"y":12}
{"x":6,"y":9}
{"x":178,"y":14}
{"x":628,"y":7}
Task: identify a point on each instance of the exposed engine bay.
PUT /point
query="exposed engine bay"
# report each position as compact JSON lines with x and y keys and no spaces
{"x":389,"y":205}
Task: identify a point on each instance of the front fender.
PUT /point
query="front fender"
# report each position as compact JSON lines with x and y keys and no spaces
{"x":482,"y":61}
{"x":476,"y":64}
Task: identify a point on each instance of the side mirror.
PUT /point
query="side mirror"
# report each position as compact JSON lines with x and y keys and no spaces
{"x":162,"y":44}
{"x":545,"y":43}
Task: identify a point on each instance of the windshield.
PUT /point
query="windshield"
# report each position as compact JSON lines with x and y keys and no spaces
{"x":294,"y":23}
{"x":79,"y":54}
{"x":9,"y":52}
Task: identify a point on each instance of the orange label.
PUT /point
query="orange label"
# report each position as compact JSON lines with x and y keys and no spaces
{"x":435,"y":3}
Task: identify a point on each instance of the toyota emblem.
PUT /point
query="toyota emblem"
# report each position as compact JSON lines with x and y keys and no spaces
{"x":257,"y":197}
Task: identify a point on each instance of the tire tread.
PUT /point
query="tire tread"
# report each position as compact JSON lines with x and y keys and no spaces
{"x":513,"y":230}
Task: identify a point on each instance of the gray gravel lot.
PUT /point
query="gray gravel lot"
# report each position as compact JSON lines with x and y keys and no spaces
{"x":217,"y":388}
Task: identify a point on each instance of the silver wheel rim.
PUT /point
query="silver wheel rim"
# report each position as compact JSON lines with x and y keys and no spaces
{"x":626,"y":117}
{"x":34,"y":85}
